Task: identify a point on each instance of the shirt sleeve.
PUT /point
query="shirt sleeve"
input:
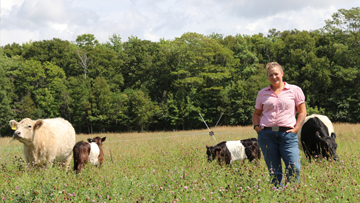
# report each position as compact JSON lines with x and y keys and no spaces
{"x":299,"y":96}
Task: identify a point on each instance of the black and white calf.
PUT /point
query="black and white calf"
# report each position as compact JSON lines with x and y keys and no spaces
{"x":230,"y":151}
{"x":317,"y":137}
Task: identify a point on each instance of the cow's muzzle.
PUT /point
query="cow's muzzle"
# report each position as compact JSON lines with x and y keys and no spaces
{"x":17,"y":134}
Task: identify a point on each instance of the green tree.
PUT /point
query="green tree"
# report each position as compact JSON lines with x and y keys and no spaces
{"x":100,"y":98}
{"x":86,"y":40}
{"x":59,"y":52}
{"x":141,"y":109}
{"x":200,"y":69}
{"x":80,"y":106}
{"x":5,"y":108}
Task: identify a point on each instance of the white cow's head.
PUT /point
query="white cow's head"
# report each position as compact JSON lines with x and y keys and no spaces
{"x":25,"y":129}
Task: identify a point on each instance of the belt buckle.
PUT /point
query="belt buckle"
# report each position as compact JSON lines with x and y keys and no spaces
{"x":275,"y":128}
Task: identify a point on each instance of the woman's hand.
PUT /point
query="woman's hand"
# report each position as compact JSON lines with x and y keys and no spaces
{"x":257,"y":128}
{"x":300,"y":119}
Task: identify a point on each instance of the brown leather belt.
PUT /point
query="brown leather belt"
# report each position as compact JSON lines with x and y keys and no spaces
{"x":277,"y":128}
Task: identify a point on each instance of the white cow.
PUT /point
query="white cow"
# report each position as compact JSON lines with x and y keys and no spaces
{"x":45,"y":140}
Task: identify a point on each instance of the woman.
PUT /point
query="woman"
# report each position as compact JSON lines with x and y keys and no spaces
{"x":275,"y":122}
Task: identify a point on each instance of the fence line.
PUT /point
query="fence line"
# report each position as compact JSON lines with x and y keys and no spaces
{"x":150,"y":138}
{"x":153,"y":138}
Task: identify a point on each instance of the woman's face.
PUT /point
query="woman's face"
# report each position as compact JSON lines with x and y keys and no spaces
{"x":275,"y":76}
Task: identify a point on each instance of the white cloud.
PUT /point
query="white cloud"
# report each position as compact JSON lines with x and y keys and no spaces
{"x":25,"y":20}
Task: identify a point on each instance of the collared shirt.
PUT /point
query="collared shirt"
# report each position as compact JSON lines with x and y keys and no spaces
{"x":279,"y":110}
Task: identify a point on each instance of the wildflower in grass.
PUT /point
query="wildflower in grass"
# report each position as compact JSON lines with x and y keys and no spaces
{"x":153,"y":172}
{"x":259,"y":190}
{"x":203,"y":199}
{"x":17,"y":187}
{"x":4,"y":198}
{"x":65,"y":185}
{"x":93,"y":200}
{"x":181,"y":177}
{"x":185,"y":187}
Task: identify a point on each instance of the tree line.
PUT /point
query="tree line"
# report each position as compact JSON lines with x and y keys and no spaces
{"x":142,"y":85}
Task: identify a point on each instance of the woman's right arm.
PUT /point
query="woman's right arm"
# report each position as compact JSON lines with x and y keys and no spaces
{"x":256,"y":119}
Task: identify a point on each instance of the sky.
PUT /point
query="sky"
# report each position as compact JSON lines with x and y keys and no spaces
{"x":23,"y":21}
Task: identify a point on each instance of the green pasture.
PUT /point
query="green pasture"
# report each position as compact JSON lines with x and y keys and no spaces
{"x":172,"y":167}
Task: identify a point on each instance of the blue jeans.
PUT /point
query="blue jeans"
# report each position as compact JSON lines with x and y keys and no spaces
{"x":277,"y":145}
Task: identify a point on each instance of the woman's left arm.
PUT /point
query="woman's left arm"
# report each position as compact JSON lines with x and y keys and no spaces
{"x":300,"y":119}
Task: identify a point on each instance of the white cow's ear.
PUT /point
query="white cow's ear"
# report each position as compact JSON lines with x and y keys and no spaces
{"x":13,"y":124}
{"x":103,"y":139}
{"x":38,"y":124}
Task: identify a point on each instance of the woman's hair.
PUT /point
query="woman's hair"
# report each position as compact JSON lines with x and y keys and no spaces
{"x":272,"y":65}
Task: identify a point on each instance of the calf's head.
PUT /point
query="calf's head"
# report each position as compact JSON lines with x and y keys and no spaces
{"x":213,"y":152}
{"x":331,"y":146}
{"x":97,"y":140}
{"x":25,"y":129}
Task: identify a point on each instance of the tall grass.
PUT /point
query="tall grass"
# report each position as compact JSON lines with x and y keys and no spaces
{"x":172,"y":167}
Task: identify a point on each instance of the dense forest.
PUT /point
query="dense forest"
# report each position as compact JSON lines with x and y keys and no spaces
{"x":142,"y":85}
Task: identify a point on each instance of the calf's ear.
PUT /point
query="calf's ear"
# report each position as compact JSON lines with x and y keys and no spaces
{"x":103,"y":139}
{"x":90,"y":140}
{"x":333,"y":135}
{"x":38,"y":124}
{"x":13,"y":124}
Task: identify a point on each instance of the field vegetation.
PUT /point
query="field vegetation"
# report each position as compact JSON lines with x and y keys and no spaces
{"x":172,"y":167}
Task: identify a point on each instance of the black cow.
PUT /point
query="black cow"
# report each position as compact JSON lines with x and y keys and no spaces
{"x":230,"y":151}
{"x":317,"y":137}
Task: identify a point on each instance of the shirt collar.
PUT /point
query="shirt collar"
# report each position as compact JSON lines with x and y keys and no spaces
{"x":287,"y":86}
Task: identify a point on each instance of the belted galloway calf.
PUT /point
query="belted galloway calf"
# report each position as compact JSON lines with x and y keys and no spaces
{"x":230,"y":151}
{"x":317,"y":137}
{"x":45,"y":140}
{"x":90,"y":151}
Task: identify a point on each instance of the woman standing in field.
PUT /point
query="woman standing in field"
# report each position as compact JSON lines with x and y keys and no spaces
{"x":275,"y":122}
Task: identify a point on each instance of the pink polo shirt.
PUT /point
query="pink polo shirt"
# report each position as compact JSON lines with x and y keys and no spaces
{"x":279,"y":110}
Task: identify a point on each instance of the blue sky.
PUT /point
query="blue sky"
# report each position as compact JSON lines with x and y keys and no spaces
{"x":33,"y":20}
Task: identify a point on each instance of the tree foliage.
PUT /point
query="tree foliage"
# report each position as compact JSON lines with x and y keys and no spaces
{"x":139,"y":85}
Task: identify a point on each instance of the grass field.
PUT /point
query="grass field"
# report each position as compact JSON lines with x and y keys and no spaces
{"x":172,"y":167}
